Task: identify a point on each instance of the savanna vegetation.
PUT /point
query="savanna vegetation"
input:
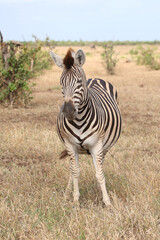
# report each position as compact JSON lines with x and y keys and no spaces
{"x":110,"y":58}
{"x":33,"y":179}
{"x":146,"y":56}
{"x":19,"y":62}
{"x":50,"y":42}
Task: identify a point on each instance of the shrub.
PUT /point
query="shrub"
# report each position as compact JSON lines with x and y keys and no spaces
{"x":15,"y":73}
{"x":146,"y":56}
{"x":110,"y":57}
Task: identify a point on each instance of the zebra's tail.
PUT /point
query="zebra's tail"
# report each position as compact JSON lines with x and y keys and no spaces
{"x":63,"y":154}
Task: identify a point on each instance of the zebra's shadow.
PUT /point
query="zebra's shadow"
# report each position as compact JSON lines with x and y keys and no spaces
{"x":115,"y":184}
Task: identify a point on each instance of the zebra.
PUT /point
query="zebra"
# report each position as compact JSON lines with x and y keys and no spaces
{"x":89,"y":121}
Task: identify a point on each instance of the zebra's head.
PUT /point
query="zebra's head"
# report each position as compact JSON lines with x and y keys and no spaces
{"x":73,"y":81}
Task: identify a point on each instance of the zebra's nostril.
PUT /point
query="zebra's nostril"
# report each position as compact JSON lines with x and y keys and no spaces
{"x":72,"y":111}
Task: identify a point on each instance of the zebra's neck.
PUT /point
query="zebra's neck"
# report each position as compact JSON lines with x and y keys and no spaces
{"x":84,"y":104}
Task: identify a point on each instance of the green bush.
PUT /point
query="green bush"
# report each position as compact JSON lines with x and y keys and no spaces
{"x":146,"y":56}
{"x":110,"y":57}
{"x":15,"y":83}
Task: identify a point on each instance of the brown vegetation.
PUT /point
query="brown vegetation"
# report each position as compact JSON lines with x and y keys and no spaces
{"x":33,"y":179}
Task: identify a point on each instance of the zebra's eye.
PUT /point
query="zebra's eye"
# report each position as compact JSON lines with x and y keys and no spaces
{"x":79,"y":81}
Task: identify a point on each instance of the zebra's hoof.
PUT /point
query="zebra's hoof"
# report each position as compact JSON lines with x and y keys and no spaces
{"x":76,"y":205}
{"x":67,"y":196}
{"x":107,"y":203}
{"x":109,"y":208}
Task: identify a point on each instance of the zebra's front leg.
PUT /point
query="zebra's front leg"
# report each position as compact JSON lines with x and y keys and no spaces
{"x":68,"y":188}
{"x":74,"y":173}
{"x":98,"y":161}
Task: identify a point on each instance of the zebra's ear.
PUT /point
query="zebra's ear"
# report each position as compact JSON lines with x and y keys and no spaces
{"x":57,"y":59}
{"x":80,"y":57}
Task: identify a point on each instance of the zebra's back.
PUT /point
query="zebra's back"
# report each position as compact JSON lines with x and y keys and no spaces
{"x":108,"y":114}
{"x":91,"y":83}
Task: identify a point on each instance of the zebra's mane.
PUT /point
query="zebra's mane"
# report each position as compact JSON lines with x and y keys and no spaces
{"x":68,"y":60}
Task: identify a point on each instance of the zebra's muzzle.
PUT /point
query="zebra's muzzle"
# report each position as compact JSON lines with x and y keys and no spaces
{"x":69,"y":110}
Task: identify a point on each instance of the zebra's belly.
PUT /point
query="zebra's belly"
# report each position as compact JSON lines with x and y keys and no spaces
{"x":82,"y":142}
{"x":90,"y":144}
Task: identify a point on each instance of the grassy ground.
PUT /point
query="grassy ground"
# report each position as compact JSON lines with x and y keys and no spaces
{"x":33,"y":179}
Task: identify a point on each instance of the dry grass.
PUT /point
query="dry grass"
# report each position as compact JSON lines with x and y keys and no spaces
{"x":32,"y":179}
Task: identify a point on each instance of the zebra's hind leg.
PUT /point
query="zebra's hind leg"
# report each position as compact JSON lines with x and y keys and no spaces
{"x":98,"y":160}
